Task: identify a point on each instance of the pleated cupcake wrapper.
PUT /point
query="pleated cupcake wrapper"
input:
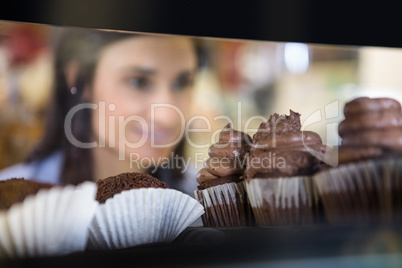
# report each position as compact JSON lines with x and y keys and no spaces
{"x":365,"y":191}
{"x":53,"y":222}
{"x":225,"y":205}
{"x":142,"y":216}
{"x":282,"y":201}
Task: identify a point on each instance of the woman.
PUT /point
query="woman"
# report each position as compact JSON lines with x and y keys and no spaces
{"x":120,"y":105}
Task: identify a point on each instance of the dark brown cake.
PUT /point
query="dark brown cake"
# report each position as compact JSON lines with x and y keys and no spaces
{"x":15,"y":190}
{"x":110,"y":186}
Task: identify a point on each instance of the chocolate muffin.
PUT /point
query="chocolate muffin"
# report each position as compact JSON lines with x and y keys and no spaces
{"x":139,"y":209}
{"x":279,"y":169}
{"x":221,"y":187}
{"x":40,"y":219}
{"x":110,"y":186}
{"x":15,"y":190}
{"x":365,"y":186}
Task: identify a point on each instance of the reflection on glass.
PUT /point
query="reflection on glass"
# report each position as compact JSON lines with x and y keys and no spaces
{"x":239,"y":81}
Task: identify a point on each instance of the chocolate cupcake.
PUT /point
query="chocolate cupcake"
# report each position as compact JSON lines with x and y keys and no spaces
{"x":139,"y":209}
{"x":15,"y":190}
{"x":365,"y":185}
{"x":40,"y":219}
{"x":110,"y":186}
{"x":221,"y":188}
{"x":279,"y":169}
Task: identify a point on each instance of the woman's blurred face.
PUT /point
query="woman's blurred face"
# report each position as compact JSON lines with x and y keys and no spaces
{"x":143,"y":86}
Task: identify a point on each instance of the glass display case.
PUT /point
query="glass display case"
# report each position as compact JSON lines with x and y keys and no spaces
{"x":256,"y":61}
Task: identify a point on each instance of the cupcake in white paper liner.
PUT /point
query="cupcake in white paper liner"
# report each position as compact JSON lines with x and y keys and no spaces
{"x":226,"y":205}
{"x":221,"y":187}
{"x":369,"y":190}
{"x":279,"y":172}
{"x":52,"y":222}
{"x":365,"y":185}
{"x":142,"y":216}
{"x":282,"y":201}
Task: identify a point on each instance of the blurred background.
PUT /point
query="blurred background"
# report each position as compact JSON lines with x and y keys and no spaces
{"x":245,"y":81}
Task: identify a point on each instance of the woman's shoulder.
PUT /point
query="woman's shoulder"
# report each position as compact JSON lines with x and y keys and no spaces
{"x":22,"y":170}
{"x":45,"y":170}
{"x":190,"y":183}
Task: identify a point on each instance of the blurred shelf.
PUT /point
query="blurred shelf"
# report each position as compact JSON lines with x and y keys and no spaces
{"x":293,"y":246}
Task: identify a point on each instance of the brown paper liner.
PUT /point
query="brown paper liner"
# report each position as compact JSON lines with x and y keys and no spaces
{"x":225,"y":205}
{"x":360,"y":192}
{"x":282,"y":201}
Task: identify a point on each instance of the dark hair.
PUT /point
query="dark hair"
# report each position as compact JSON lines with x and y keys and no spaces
{"x":83,"y":46}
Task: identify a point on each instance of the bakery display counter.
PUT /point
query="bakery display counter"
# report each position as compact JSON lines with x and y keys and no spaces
{"x":357,"y":245}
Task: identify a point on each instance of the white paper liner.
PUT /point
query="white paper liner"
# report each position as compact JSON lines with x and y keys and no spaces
{"x":142,"y":216}
{"x":282,"y":201}
{"x":53,"y":222}
{"x":365,"y":191}
{"x":226,"y":205}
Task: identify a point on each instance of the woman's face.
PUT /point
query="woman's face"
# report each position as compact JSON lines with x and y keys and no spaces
{"x":143,"y":88}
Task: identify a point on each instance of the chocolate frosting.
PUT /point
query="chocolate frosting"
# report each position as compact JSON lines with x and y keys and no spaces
{"x":278,"y":149}
{"x":203,"y":175}
{"x":372,"y":127}
{"x":226,"y":158}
